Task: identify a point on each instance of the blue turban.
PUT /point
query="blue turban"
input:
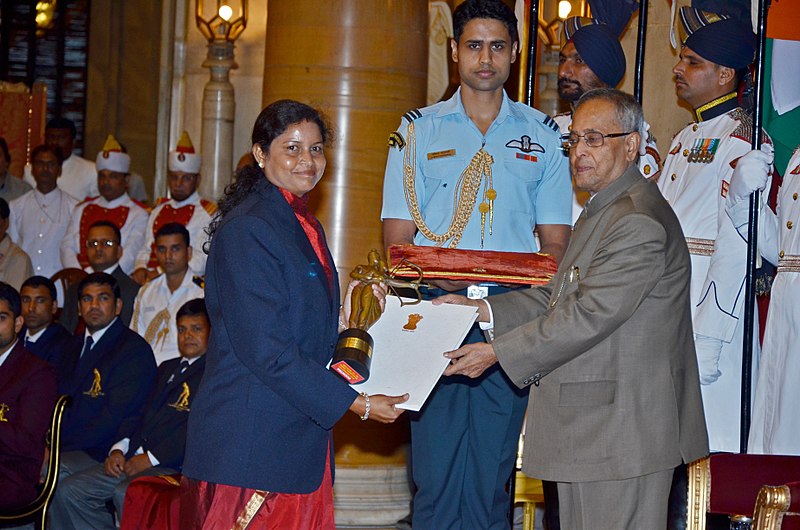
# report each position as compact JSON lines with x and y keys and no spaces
{"x":717,"y":38}
{"x":601,"y":50}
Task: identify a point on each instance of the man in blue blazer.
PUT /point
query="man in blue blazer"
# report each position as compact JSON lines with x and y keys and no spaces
{"x":112,"y":371}
{"x":151,"y":443}
{"x":44,"y":338}
{"x":27,"y":396}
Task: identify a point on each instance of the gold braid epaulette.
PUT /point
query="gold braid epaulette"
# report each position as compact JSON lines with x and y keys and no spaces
{"x":465,"y":194}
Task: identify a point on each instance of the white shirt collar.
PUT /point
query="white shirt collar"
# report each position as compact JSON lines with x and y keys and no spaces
{"x":7,"y":352}
{"x":97,"y":335}
{"x":35,"y":336}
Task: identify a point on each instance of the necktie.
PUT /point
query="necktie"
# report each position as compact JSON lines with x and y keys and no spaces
{"x":178,"y":371}
{"x":27,"y":342}
{"x":87,"y":346}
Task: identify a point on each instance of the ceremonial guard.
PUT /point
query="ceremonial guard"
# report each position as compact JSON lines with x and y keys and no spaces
{"x":160,"y":299}
{"x":113,"y":204}
{"x":184,"y":206}
{"x":776,"y":425}
{"x":695,"y":180}
{"x":592,"y":57}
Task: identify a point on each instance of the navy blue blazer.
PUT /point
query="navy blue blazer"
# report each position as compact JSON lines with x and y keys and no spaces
{"x":161,"y":427}
{"x":52,"y":346}
{"x":127,"y":371}
{"x":27,"y":397}
{"x":267,"y":403}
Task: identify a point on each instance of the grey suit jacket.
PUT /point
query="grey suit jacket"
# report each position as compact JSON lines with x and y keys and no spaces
{"x":608,"y":344}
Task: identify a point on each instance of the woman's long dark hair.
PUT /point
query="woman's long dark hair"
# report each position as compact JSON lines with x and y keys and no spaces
{"x":271,"y":123}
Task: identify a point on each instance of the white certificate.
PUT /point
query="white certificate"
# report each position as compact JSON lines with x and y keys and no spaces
{"x":409,"y":343}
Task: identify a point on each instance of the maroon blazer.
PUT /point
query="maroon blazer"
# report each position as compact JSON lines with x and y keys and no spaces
{"x":27,"y":398}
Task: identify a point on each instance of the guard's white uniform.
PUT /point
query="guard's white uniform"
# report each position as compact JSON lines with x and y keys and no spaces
{"x":199,"y":212}
{"x":155,"y":308}
{"x":695,"y":178}
{"x":132,"y":231}
{"x":775,"y":428}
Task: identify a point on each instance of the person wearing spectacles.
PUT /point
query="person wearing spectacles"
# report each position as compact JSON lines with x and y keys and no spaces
{"x":606,"y":347}
{"x":103,"y":250}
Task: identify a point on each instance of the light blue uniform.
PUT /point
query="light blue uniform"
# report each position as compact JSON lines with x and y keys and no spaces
{"x":464,"y":440}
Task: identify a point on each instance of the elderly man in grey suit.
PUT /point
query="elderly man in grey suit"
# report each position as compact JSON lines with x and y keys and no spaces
{"x":608,"y":343}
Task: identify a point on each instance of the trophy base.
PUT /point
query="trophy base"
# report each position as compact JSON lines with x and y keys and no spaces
{"x":353,"y":355}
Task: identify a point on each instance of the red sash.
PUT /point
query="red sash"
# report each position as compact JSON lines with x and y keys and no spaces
{"x":93,"y":213}
{"x":168,"y":215}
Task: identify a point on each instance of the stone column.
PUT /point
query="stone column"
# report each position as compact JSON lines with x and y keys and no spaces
{"x":364,"y":63}
{"x":218,"y":114}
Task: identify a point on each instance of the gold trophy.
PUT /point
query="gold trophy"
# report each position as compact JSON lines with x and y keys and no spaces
{"x":353,"y":355}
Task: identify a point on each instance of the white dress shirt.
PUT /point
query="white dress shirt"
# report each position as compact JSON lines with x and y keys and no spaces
{"x":38,"y":224}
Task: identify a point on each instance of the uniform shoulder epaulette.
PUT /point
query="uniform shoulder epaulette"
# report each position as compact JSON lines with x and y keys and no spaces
{"x":88,"y":200}
{"x":412,"y":115}
{"x":550,"y":122}
{"x":744,"y":129}
{"x":200,"y":281}
{"x":209,"y":206}
{"x":141,"y":204}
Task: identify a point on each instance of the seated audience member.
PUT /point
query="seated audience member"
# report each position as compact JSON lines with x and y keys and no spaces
{"x":111,"y":373}
{"x":159,"y":300}
{"x":15,"y":264}
{"x":27,"y":397}
{"x":44,"y":338}
{"x":114,"y":204}
{"x":103,"y":250}
{"x":39,"y":218}
{"x":10,"y":186}
{"x":185,"y":206}
{"x":150,"y":444}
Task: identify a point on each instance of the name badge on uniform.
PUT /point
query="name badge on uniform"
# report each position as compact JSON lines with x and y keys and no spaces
{"x":441,"y":154}
{"x":477,"y":292}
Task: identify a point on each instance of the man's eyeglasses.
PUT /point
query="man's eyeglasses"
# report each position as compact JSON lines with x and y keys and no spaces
{"x":592,"y":138}
{"x":95,"y":243}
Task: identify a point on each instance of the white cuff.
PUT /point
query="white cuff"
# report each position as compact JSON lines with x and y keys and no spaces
{"x":486,"y":326}
{"x":121,"y":445}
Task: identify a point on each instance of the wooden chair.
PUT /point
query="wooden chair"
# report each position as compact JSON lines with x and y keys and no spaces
{"x":37,"y":509}
{"x":730,"y":483}
{"x":65,"y":278}
{"x":775,"y":502}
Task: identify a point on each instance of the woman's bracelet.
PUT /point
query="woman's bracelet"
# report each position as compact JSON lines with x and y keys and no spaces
{"x":365,"y":417}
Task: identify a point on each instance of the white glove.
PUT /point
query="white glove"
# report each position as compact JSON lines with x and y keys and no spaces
{"x":751,"y":173}
{"x":708,"y":351}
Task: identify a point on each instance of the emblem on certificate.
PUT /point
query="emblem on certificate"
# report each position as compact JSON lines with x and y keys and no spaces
{"x":353,"y":355}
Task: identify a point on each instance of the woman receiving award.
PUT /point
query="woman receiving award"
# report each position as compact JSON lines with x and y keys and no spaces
{"x":259,"y":441}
